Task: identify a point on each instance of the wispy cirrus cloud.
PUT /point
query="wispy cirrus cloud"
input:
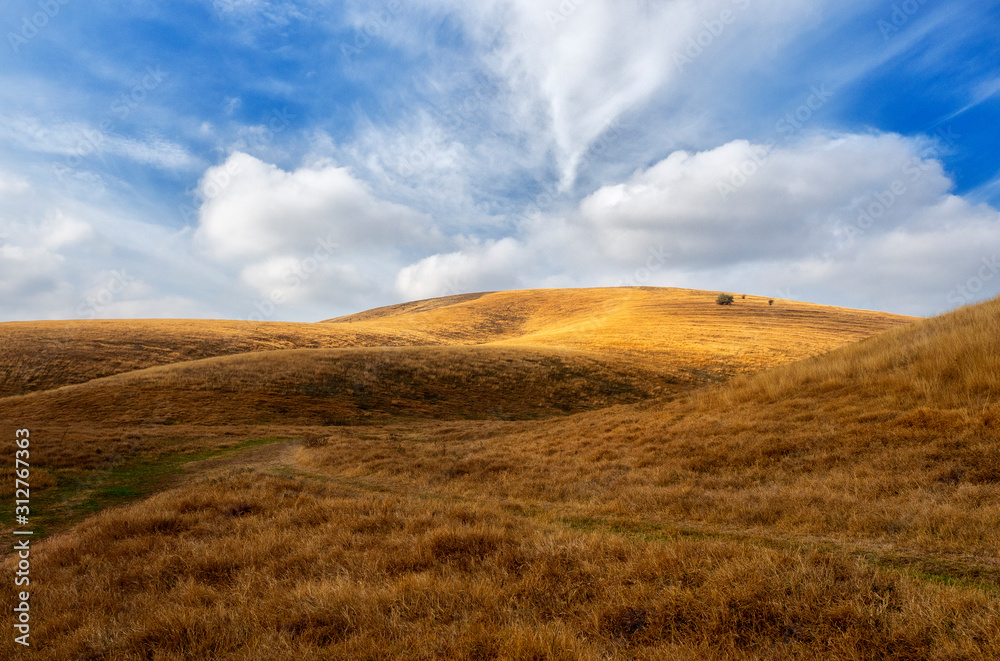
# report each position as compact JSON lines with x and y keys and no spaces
{"x":76,"y":141}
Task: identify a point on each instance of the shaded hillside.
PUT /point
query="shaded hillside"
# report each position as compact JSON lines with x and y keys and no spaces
{"x":351,"y":386}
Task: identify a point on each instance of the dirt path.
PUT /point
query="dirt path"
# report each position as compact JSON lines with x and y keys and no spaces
{"x":264,"y":457}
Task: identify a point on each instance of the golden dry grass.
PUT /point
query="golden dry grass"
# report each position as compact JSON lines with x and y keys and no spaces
{"x":353,"y":386}
{"x":845,"y":506}
{"x":248,"y":565}
{"x":889,"y":446}
{"x":41,"y":355}
{"x":512,"y":355}
{"x":682,"y":328}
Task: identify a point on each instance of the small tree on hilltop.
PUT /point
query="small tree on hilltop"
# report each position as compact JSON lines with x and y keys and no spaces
{"x":724,"y":299}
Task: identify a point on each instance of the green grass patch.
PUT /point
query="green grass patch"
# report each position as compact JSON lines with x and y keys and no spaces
{"x":82,"y":493}
{"x":986,"y":579}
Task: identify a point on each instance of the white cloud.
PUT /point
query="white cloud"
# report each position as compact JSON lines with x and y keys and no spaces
{"x":499,"y":264}
{"x":254,"y":210}
{"x":418,"y":163}
{"x":862,"y":219}
{"x":62,"y":230}
{"x":313,"y":237}
{"x":574,"y":67}
{"x":795,"y":200}
{"x":12,"y":185}
{"x":57,"y":254}
{"x":35,"y":260}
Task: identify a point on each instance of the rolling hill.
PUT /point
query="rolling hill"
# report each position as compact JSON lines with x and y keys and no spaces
{"x":351,"y":387}
{"x":681,"y":327}
{"x":102,"y":388}
{"x":42,"y":355}
{"x":890,"y":444}
{"x":825,"y":484}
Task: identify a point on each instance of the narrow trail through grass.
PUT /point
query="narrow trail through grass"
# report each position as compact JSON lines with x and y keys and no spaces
{"x":963,"y":571}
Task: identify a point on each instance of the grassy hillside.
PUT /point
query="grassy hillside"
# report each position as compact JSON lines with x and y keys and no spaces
{"x":252,"y":564}
{"x":351,"y":386}
{"x":41,"y":355}
{"x":890,"y":446}
{"x":681,"y":327}
{"x":842,"y":506}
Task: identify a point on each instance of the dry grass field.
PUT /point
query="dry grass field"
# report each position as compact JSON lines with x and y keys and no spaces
{"x":594,"y":474}
{"x":353,"y":387}
{"x":47,"y":354}
{"x":681,"y":327}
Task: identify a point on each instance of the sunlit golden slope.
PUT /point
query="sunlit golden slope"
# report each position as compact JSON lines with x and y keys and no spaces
{"x":189,"y":382}
{"x":680,"y":325}
{"x":688,"y":334}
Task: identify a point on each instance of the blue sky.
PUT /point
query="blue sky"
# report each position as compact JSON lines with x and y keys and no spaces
{"x":299,"y":160}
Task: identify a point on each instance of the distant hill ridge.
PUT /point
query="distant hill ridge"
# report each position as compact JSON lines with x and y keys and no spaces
{"x":684,"y":324}
{"x":521,"y":354}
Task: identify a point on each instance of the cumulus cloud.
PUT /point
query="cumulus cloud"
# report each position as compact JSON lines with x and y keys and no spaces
{"x":868,"y":219}
{"x":746,"y":202}
{"x":254,"y":209}
{"x":483,"y":266}
{"x":33,"y":248}
{"x":316,"y":236}
{"x":62,"y":258}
